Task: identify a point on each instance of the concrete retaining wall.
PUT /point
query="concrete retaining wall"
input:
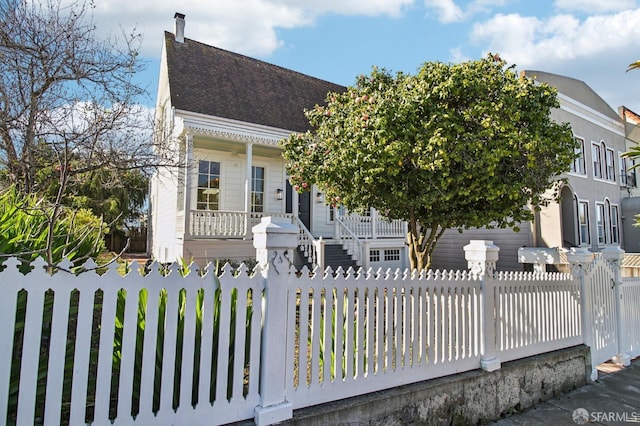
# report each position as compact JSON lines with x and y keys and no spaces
{"x":466,"y":398}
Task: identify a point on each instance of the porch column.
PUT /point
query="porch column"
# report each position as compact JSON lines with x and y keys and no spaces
{"x":188,"y":159}
{"x":247,"y":192}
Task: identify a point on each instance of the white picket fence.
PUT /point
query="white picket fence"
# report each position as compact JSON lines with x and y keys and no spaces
{"x":208,"y":349}
{"x":188,"y":366}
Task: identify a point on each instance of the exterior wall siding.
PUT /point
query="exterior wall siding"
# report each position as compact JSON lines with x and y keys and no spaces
{"x":449,"y":253}
{"x":166,"y":244}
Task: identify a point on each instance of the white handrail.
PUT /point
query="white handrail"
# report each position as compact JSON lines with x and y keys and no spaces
{"x":306,"y":242}
{"x":350,"y":241}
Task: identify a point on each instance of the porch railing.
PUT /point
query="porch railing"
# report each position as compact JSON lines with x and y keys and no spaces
{"x":225,"y":224}
{"x":374,"y":226}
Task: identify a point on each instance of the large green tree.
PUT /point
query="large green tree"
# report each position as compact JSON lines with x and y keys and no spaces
{"x":453,"y":146}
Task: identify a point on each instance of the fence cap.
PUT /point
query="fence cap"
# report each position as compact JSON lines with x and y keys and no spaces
{"x":613,"y":253}
{"x":579,"y":255}
{"x":481,"y":250}
{"x":275,"y":232}
{"x":539,"y":255}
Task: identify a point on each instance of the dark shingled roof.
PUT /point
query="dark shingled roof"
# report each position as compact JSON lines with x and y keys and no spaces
{"x":212,"y":81}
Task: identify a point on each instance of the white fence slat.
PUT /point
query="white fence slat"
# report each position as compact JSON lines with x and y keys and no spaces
{"x":256,"y":338}
{"x":8,"y":300}
{"x":315,"y":336}
{"x":358,"y":362}
{"x":222,"y":375}
{"x":81,"y":358}
{"x":371,"y":327}
{"x":208,"y":307}
{"x":169,"y":349}
{"x":57,"y":349}
{"x":105,"y":352}
{"x":188,"y":341}
{"x":327,"y":333}
{"x":292,"y":300}
{"x":30,"y":355}
{"x":339,"y":331}
{"x":378,"y":353}
{"x":127,"y":362}
{"x":305,"y":312}
{"x":388,"y":334}
{"x":239,"y":344}
{"x":147,"y":373}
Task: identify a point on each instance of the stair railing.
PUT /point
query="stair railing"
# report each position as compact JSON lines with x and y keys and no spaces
{"x":350,"y":241}
{"x":307,"y":243}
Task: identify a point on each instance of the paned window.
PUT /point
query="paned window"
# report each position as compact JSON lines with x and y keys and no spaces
{"x":208,"y":185}
{"x":583,"y":222}
{"x":578,"y":163}
{"x":596,"y":154}
{"x":623,"y":170}
{"x":257,"y":189}
{"x":391,"y":255}
{"x":600,"y":223}
{"x":610,"y":166}
{"x":374,"y":255}
{"x":615,"y":229}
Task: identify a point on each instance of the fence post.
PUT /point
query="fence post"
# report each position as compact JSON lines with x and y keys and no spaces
{"x":615,"y":255}
{"x":579,"y":258}
{"x":481,"y":256}
{"x":275,"y":241}
{"x":319,"y":245}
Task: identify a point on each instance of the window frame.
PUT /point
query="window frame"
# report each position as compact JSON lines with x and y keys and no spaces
{"x":596,"y":160}
{"x":578,"y":166}
{"x":256,"y":193}
{"x":584,"y":235}
{"x":601,"y":223}
{"x":614,"y":223}
{"x":210,"y":177}
{"x":610,"y":165}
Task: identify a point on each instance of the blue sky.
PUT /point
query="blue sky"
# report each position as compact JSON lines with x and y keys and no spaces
{"x":590,"y":40}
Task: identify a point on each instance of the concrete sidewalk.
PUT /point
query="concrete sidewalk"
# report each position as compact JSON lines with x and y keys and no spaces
{"x":613,"y":399}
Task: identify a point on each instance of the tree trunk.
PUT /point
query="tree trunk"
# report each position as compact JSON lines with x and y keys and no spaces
{"x":422,"y":242}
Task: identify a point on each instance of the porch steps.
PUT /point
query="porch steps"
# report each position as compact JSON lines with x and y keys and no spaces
{"x":334,"y":256}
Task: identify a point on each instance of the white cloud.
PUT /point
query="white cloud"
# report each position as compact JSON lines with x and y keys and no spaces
{"x":595,"y":6}
{"x":596,"y":50}
{"x":458,"y":56}
{"x":448,"y":11}
{"x":246,"y":26}
{"x":393,"y":8}
{"x":527,"y":40}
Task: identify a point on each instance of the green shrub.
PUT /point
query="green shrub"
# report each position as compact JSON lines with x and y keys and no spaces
{"x":26,"y":222}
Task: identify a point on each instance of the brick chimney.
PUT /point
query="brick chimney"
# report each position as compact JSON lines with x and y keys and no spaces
{"x":179,"y":17}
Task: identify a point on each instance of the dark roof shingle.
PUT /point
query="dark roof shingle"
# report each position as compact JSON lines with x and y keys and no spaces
{"x":216,"y":82}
